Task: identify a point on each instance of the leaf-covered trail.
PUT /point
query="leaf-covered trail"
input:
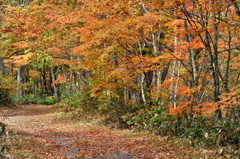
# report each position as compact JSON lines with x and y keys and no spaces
{"x":40,"y":132}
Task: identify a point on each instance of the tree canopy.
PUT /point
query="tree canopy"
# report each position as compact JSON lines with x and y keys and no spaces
{"x":183,"y":54}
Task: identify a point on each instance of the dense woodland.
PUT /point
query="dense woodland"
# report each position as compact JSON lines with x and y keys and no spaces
{"x":167,"y":67}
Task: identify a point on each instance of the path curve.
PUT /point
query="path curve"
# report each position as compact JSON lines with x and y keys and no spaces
{"x":66,"y":139}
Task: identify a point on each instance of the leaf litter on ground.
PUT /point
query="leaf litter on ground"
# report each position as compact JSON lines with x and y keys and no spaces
{"x":40,"y":131}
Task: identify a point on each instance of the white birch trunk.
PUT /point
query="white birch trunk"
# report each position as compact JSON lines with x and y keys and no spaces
{"x":172,"y":89}
{"x":142,"y":78}
{"x":142,"y":88}
{"x":19,"y":82}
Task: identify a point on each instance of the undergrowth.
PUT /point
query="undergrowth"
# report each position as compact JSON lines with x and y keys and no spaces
{"x":32,"y":99}
{"x":189,"y":128}
{"x":198,"y":131}
{"x":6,"y":89}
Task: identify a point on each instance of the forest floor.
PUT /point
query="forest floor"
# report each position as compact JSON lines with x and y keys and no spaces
{"x":38,"y":131}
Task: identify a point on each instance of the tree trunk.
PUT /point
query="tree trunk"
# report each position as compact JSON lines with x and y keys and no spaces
{"x":215,"y":50}
{"x":172,"y":90}
{"x":55,"y":91}
{"x":2,"y":71}
{"x":226,"y":74}
{"x":20,"y":75}
{"x":44,"y":77}
{"x":142,"y":88}
{"x":235,"y":3}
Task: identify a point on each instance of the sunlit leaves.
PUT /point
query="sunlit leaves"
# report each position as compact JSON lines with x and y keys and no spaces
{"x":118,"y":42}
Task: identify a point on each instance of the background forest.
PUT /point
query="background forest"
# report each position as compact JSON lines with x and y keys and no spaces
{"x":167,"y":67}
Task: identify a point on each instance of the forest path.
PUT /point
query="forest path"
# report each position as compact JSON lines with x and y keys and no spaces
{"x":39,"y":131}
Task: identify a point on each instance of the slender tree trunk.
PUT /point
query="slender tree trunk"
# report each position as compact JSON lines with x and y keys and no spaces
{"x":212,"y":67}
{"x":55,"y":91}
{"x":72,"y":82}
{"x":142,"y":76}
{"x":156,"y":49}
{"x":226,"y":74}
{"x":215,"y":49}
{"x":236,"y":83}
{"x":176,"y":84}
{"x":142,"y":88}
{"x":68,"y":84}
{"x":172,"y":90}
{"x":126,"y":94}
{"x":20,"y":75}
{"x":235,"y":3}
{"x":44,"y":77}
{"x":192,"y":57}
{"x":2,"y":71}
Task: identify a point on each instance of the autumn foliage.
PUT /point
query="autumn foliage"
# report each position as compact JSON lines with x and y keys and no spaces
{"x":180,"y":53}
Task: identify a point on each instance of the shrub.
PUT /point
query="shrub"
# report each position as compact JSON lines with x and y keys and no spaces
{"x":110,"y":107}
{"x":79,"y":102}
{"x":7,"y":88}
{"x":32,"y":99}
{"x":198,"y":130}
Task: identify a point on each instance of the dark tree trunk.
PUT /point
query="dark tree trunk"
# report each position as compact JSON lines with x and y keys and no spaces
{"x":55,"y":90}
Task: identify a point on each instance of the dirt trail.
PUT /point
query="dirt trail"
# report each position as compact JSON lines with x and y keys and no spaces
{"x":40,"y":132}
